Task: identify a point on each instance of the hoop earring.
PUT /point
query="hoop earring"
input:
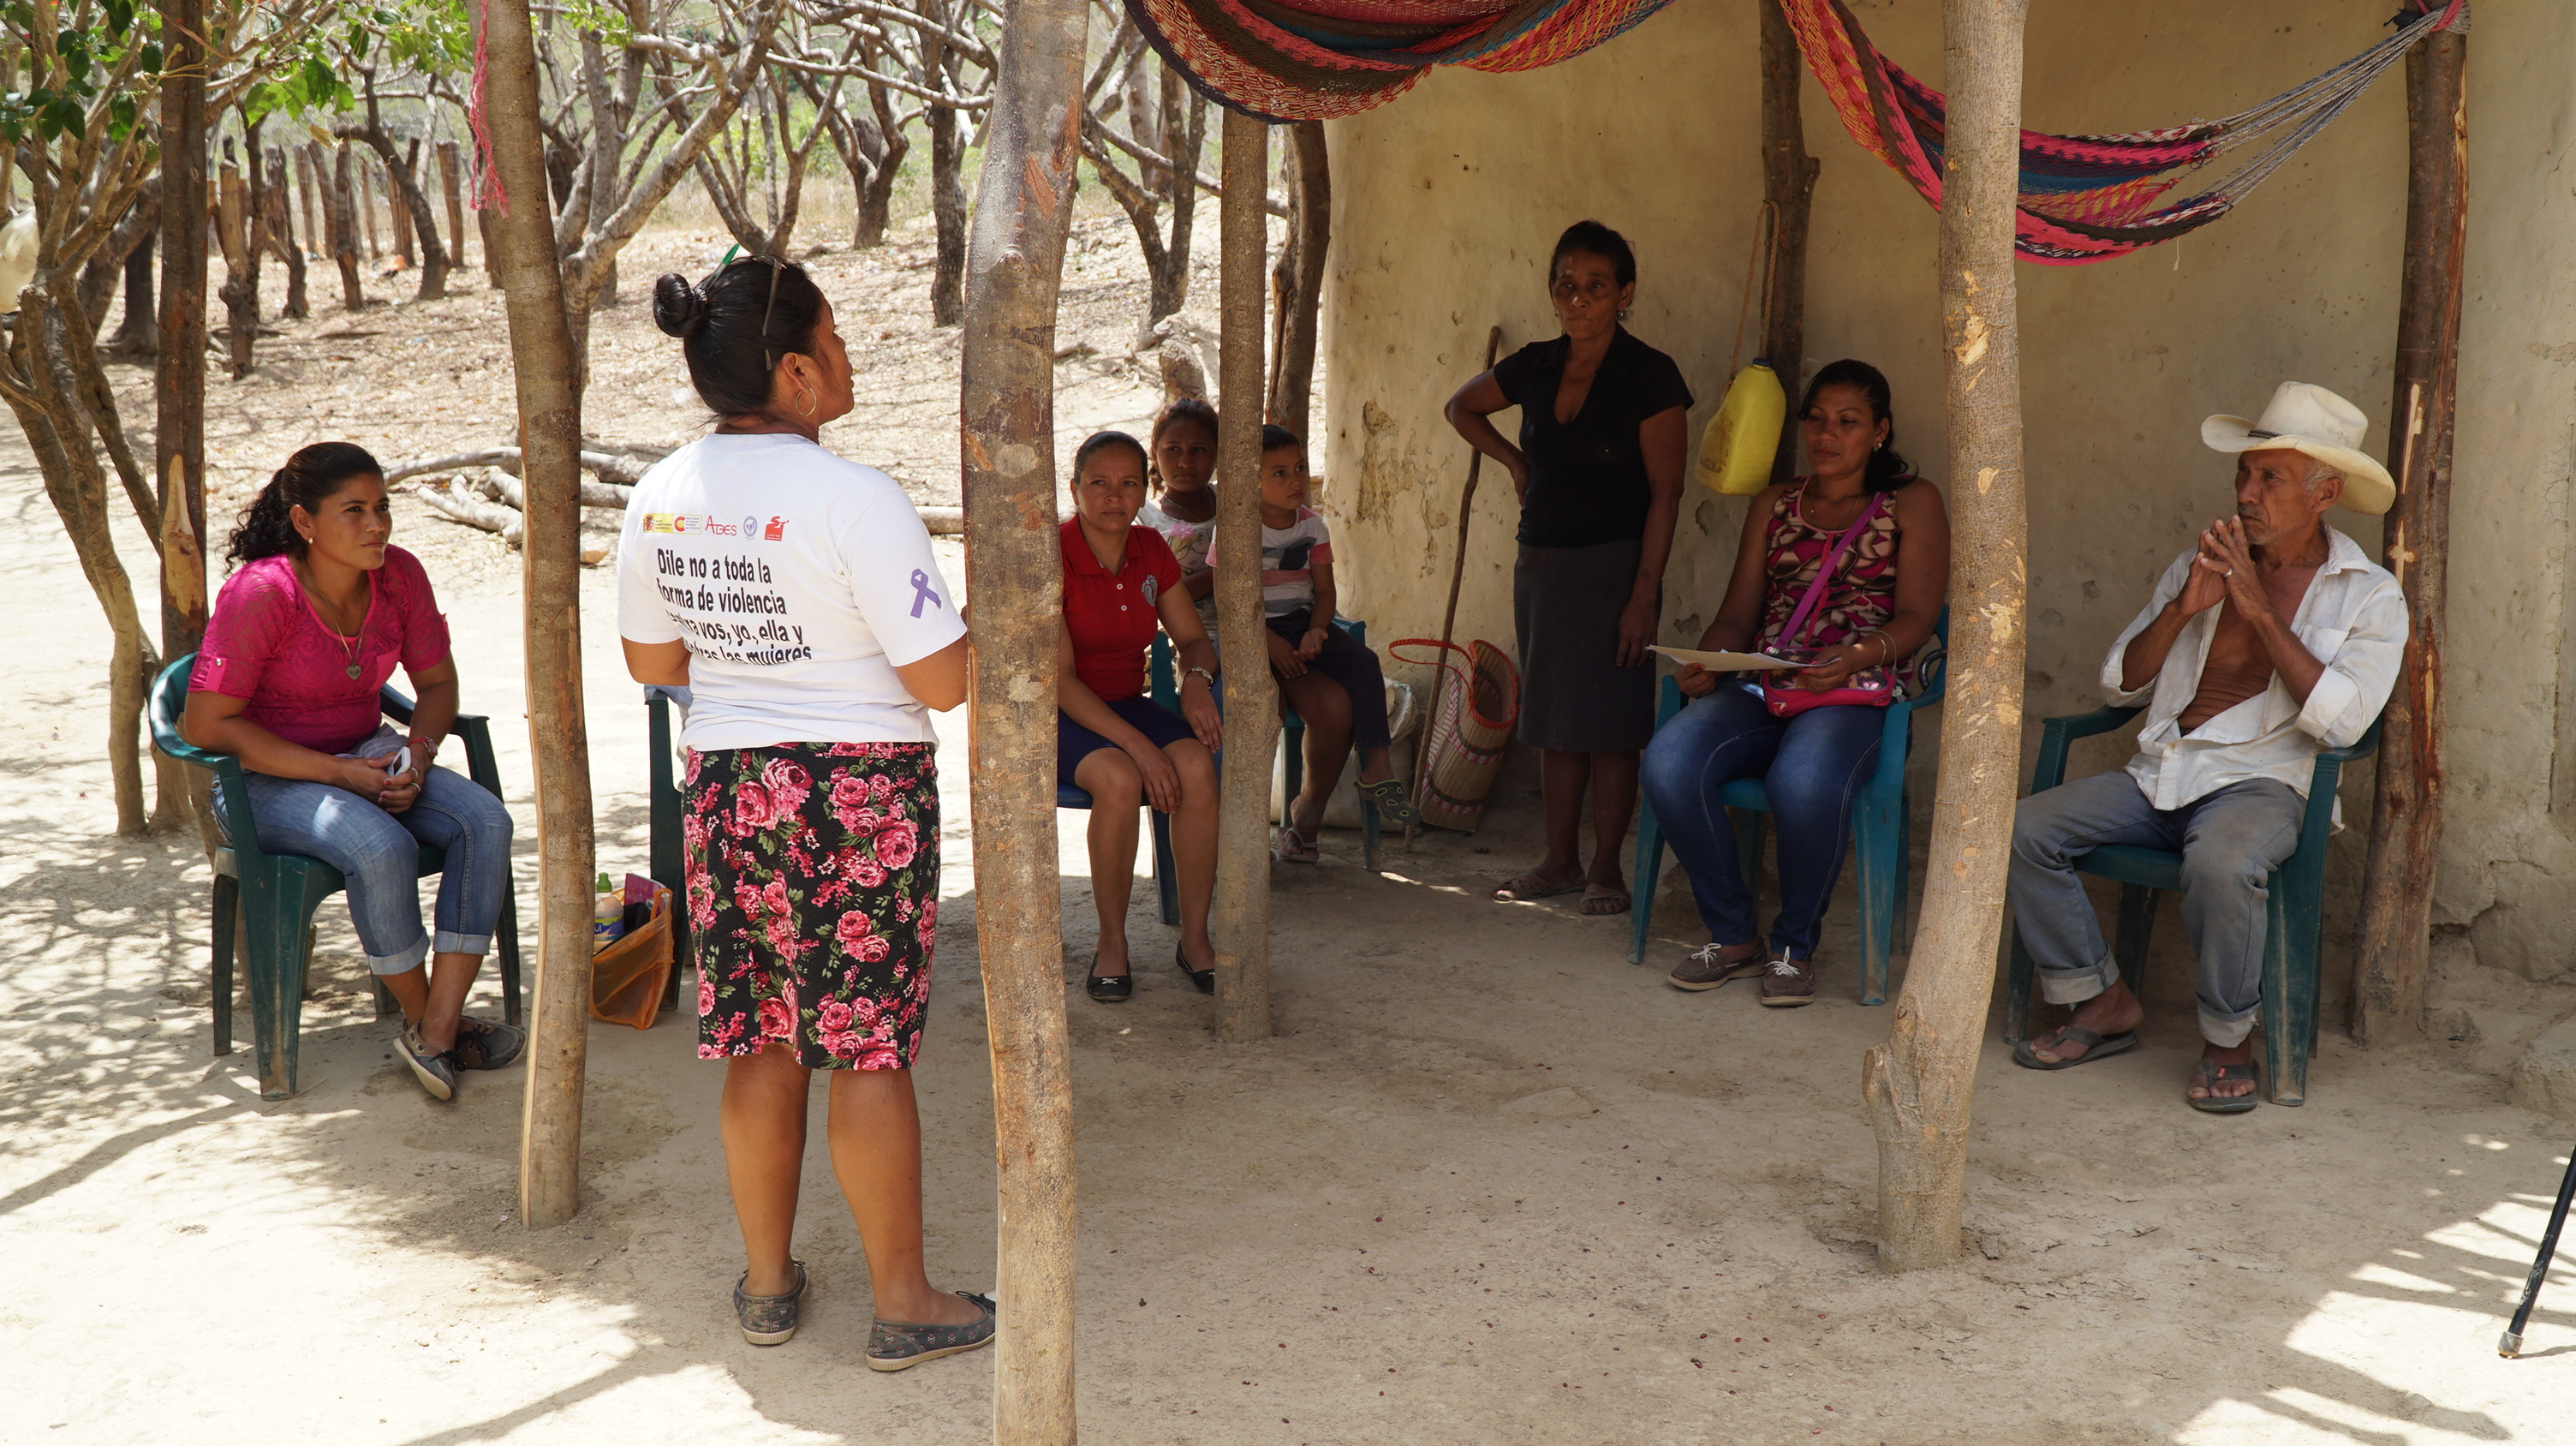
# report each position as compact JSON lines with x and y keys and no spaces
{"x":810,"y":404}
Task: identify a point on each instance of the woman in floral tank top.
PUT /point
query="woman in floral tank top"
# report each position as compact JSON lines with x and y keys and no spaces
{"x":1866,"y":629}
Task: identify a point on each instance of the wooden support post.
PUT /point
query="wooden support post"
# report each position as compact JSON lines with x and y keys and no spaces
{"x":450,"y":172}
{"x":1789,"y":185}
{"x":1242,"y":912}
{"x":541,"y":357}
{"x":1014,"y":582}
{"x":179,"y":370}
{"x":2406,"y":821}
{"x":1919,"y":1081}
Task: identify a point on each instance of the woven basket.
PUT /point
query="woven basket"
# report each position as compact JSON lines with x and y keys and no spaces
{"x":1463,"y":749}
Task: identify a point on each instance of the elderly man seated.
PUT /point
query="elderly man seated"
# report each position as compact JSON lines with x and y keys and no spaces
{"x":2271,"y":638}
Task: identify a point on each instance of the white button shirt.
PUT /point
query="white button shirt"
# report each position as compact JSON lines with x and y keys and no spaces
{"x":2353,"y":620}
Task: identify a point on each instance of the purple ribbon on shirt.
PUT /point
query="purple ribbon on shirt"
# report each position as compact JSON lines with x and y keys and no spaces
{"x":922,"y":592}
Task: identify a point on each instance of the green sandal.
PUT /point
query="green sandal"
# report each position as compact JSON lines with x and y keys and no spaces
{"x":1391,"y":801}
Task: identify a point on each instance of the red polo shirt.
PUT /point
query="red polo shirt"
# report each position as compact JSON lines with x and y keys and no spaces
{"x":1113,"y":618}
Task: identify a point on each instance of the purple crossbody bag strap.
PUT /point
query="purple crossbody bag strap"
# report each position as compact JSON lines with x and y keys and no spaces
{"x":1825,"y":574}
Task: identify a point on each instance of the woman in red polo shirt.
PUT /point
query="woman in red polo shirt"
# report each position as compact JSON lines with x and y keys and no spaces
{"x":1113,"y":742}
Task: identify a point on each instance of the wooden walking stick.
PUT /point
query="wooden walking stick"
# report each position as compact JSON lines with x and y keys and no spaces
{"x":2511,"y":1345}
{"x":1449,"y":617}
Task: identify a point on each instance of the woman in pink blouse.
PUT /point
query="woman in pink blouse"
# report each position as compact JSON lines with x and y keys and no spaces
{"x":312,"y":623}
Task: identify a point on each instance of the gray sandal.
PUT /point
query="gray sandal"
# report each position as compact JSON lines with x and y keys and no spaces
{"x":768,"y":1320}
{"x":894,"y":1345}
{"x":2210,"y":1075}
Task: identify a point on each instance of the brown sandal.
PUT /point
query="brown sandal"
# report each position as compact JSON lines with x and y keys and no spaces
{"x":1295,"y":848}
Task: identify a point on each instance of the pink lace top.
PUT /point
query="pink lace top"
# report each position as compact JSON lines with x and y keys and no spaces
{"x":1861,"y":596}
{"x":264,"y":642}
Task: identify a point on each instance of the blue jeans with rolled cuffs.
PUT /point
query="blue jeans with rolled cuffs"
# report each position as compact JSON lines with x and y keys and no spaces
{"x":1812,"y":766}
{"x":2229,"y":840}
{"x":380,"y":854}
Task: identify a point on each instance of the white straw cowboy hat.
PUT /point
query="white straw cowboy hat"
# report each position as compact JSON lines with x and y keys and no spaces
{"x":2307,"y":418}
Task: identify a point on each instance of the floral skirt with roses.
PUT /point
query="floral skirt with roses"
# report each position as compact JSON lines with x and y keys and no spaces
{"x":813,"y":887}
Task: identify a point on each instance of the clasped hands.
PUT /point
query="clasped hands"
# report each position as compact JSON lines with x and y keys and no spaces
{"x":2222,"y":568}
{"x":1288,"y":660}
{"x":392,"y":792}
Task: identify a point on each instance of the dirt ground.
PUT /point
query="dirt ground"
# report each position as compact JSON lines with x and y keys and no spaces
{"x":1489,"y":1183}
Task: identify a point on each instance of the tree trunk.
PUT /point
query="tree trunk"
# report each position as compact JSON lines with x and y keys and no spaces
{"x":363,"y":194}
{"x":398,"y":209}
{"x":138,"y":336}
{"x":542,"y":358}
{"x":281,"y":233}
{"x":99,"y":274}
{"x":948,"y":216}
{"x":2406,"y":823}
{"x":1299,"y":277}
{"x":179,"y":372}
{"x":240,"y":291}
{"x":305,"y":189}
{"x":1185,"y":124}
{"x":1013,"y":572}
{"x":876,"y":198}
{"x":1919,"y":1082}
{"x":1789,"y":185}
{"x":450,"y":181}
{"x":1242,"y":913}
{"x":340,"y":206}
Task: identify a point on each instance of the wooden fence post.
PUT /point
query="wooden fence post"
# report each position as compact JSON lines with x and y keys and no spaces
{"x":2395,"y":950}
{"x":541,"y":357}
{"x":1919,"y":1081}
{"x":1242,"y":910}
{"x":1014,"y":582}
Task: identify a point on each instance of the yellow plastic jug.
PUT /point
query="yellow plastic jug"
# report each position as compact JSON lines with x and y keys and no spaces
{"x":1736,"y":451}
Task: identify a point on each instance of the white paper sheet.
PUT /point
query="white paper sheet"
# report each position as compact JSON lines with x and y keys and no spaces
{"x":1728,"y":662}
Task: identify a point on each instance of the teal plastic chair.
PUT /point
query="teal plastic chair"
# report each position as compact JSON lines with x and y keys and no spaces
{"x":2296,"y":911}
{"x":273,"y":896}
{"x":662,"y":800}
{"x":1166,"y":691}
{"x":1881,"y":822}
{"x":1292,"y":737}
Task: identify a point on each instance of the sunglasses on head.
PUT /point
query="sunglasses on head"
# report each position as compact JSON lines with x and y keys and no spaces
{"x":768,"y":356}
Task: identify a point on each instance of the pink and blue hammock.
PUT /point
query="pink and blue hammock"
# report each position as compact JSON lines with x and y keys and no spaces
{"x":2083,"y":198}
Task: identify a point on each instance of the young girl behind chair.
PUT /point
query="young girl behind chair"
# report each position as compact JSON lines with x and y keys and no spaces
{"x":1307,"y":652}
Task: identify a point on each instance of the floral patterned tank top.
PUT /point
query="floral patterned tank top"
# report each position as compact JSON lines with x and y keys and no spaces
{"x":1861,"y":596}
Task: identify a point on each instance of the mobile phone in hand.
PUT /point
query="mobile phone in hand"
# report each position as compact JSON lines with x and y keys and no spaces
{"x":401,"y":764}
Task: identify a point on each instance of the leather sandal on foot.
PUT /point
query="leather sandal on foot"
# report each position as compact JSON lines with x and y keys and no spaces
{"x":1296,"y":848}
{"x":768,"y":1320}
{"x":1788,"y":983}
{"x":1204,"y":980}
{"x":894,"y":1345}
{"x":2210,"y":1075}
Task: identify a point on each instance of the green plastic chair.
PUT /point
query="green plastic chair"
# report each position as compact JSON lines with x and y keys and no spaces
{"x":272,"y":896}
{"x":1881,"y":823}
{"x":2296,"y":911}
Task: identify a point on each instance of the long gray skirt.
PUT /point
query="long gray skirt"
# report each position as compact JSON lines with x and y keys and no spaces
{"x":1575,"y":698}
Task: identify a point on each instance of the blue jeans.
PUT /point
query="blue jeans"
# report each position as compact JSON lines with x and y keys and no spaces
{"x":380,"y":854}
{"x":2230,"y":842}
{"x":1812,"y":766}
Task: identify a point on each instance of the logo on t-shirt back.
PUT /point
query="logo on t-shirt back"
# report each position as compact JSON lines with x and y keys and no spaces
{"x":776,"y":531}
{"x":685,"y":523}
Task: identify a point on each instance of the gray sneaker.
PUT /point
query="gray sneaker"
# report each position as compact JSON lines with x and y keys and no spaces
{"x":435,"y":1069}
{"x":768,"y":1320}
{"x":897,"y":1345}
{"x":1708,"y":968}
{"x":481,"y":1044}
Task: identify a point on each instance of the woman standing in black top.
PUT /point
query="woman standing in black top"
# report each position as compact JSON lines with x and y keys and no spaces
{"x":1599,"y":473}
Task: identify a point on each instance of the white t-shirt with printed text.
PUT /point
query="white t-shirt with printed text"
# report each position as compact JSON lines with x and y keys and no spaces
{"x":799,"y":580}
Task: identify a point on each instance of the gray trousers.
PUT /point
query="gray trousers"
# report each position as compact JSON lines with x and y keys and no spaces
{"x":2229,"y":841}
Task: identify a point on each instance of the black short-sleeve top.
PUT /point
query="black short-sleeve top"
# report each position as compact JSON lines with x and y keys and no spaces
{"x":1587,"y":477}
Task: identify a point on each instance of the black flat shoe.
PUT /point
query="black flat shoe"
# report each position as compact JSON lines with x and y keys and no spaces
{"x":1109,"y":988}
{"x":1205,"y":979}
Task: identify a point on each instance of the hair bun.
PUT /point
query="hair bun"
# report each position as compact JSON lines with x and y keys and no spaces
{"x":678,"y":308}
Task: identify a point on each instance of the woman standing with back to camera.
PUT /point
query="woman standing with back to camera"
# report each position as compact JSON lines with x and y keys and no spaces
{"x":795,"y":594}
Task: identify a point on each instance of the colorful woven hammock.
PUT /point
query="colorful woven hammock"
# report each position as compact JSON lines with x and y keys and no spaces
{"x":1284,"y":60}
{"x":2088,"y":198}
